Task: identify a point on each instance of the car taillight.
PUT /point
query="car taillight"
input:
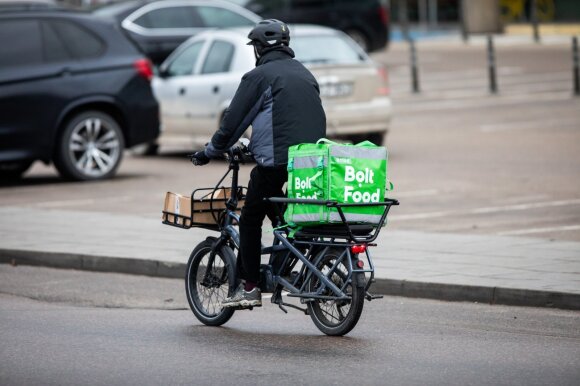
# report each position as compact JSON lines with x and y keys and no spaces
{"x":383,"y":14}
{"x":144,"y":68}
{"x":384,"y":84}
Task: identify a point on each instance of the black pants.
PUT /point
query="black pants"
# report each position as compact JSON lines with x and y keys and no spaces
{"x":264,"y":182}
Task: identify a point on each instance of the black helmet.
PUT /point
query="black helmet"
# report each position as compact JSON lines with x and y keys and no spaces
{"x":269,"y":33}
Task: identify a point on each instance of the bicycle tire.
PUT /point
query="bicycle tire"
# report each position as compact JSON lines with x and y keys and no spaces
{"x":205,"y":294}
{"x":322,"y":311}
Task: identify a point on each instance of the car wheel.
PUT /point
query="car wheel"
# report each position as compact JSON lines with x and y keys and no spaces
{"x":90,"y":147}
{"x":359,"y":37}
{"x":10,"y":171}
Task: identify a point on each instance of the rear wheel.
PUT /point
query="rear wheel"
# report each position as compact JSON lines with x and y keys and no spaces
{"x":90,"y":148}
{"x":337,"y":317}
{"x":209,"y":279}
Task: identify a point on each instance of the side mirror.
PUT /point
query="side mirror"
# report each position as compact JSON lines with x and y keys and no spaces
{"x":163,"y":72}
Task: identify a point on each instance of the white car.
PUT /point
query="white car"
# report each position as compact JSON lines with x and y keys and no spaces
{"x":197,"y":82}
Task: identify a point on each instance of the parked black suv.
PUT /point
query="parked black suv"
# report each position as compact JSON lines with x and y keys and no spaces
{"x":73,"y":91}
{"x":366,"y":21}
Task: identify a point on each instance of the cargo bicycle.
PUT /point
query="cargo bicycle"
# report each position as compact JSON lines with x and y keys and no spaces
{"x":328,"y":268}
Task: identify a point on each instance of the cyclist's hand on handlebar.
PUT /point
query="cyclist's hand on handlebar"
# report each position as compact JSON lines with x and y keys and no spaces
{"x":199,"y":158}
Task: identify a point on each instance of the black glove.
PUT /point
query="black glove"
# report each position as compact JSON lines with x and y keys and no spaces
{"x":199,"y":158}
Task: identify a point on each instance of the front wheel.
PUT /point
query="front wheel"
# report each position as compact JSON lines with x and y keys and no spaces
{"x":209,"y":279}
{"x":337,"y":317}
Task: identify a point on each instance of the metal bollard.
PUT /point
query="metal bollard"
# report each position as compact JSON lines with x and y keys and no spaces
{"x":404,"y":19}
{"x":534,"y":19}
{"x":576,"y":66}
{"x":464,"y":33}
{"x":414,"y":67}
{"x":491,"y":65}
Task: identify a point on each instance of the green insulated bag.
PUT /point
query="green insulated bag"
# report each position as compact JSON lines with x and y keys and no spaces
{"x":343,"y":173}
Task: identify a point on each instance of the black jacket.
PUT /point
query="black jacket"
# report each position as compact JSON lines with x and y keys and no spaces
{"x":280,"y":98}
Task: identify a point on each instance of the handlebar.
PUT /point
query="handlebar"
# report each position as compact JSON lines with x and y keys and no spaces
{"x":239,"y":154}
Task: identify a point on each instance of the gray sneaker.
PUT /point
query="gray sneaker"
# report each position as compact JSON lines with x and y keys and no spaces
{"x":244,"y":299}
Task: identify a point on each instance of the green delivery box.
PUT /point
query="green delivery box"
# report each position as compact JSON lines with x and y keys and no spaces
{"x":340,"y":172}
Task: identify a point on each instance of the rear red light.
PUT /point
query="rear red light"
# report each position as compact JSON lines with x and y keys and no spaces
{"x":384,"y":85}
{"x":360,"y":264}
{"x":358,"y":248}
{"x":144,"y":68}
{"x":383,"y":14}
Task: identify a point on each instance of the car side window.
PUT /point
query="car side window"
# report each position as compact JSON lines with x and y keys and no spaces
{"x":216,"y":17}
{"x":20,"y":43}
{"x":54,"y":49}
{"x":170,"y":17}
{"x":77,"y":41}
{"x":219,"y":58}
{"x":184,"y":62}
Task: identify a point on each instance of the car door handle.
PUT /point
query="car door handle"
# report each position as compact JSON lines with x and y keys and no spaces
{"x":216,"y":89}
{"x":182,"y":91}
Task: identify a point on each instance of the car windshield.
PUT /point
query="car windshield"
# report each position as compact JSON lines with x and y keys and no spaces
{"x":325,"y":49}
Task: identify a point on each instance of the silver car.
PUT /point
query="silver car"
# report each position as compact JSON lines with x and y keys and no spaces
{"x":197,"y":82}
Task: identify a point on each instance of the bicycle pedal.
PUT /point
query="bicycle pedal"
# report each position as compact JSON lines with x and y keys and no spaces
{"x":370,"y":297}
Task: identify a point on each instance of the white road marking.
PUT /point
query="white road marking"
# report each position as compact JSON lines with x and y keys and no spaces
{"x":536,"y":124}
{"x":485,"y":210}
{"x":540,"y":230}
{"x":415,"y":193}
{"x":508,"y":100}
{"x":81,"y":202}
{"x":535,"y":205}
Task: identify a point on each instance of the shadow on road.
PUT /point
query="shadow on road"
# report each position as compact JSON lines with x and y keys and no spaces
{"x":281,"y":343}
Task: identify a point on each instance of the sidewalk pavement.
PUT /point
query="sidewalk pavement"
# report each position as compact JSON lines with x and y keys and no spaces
{"x":477,"y":268}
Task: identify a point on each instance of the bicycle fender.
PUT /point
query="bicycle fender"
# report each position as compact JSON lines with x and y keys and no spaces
{"x":359,"y":280}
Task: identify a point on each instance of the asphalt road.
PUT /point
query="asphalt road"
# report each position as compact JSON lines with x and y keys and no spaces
{"x":77,"y":335}
{"x":462,"y":160}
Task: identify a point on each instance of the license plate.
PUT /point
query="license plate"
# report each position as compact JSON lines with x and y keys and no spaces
{"x":334,"y":90}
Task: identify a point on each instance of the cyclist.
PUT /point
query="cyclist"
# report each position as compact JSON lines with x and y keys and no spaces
{"x":280,"y":98}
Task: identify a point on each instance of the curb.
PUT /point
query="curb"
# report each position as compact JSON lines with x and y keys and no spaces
{"x":93,"y":263}
{"x":478,"y":294}
{"x":404,"y":288}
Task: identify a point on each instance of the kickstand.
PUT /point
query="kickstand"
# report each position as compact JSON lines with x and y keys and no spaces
{"x":277,"y":299}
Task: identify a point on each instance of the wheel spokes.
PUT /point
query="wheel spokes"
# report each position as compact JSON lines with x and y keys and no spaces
{"x":94,"y":147}
{"x":211,"y":288}
{"x":334,"y":311}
